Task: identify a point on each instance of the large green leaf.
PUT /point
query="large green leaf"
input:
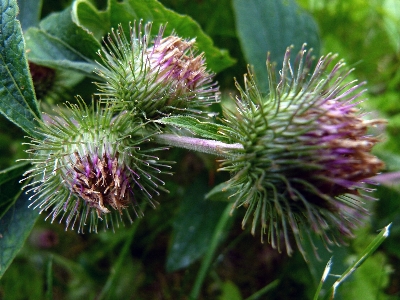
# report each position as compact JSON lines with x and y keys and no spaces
{"x":60,"y":43}
{"x":127,"y":11}
{"x":17,"y":97}
{"x":62,"y":26}
{"x":193,"y":226}
{"x":86,"y":15}
{"x":215,"y":17}
{"x":13,"y":172}
{"x":272,"y":26}
{"x":10,"y":186}
{"x":15,"y":227}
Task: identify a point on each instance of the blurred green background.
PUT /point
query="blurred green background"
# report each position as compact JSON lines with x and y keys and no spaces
{"x":159,"y":256}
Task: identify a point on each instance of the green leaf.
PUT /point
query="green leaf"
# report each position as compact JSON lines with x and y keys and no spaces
{"x":126,"y":11}
{"x":370,"y":280}
{"x":17,"y":97}
{"x":60,"y":43}
{"x":29,"y":12}
{"x":10,"y":186}
{"x":369,"y":250}
{"x":272,"y":26}
{"x":62,"y":26}
{"x":194,"y":227}
{"x":13,"y":172}
{"x":230,"y":291}
{"x":215,"y":17}
{"x":86,"y":15}
{"x":204,"y":129}
{"x":15,"y":227}
{"x":50,"y":51}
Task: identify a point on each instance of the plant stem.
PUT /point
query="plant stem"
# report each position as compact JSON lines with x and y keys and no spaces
{"x":49,"y":279}
{"x":377,"y":241}
{"x":208,"y":257}
{"x":201,"y":145}
{"x":118,"y":266}
{"x":264,"y":290}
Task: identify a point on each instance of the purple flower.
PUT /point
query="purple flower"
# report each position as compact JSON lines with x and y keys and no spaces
{"x":176,"y":63}
{"x":154,"y":76}
{"x":306,"y":154}
{"x":92,"y":166}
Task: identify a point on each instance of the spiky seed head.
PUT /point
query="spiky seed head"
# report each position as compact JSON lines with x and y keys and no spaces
{"x":306,"y":152}
{"x":154,"y":76}
{"x":92,"y":166}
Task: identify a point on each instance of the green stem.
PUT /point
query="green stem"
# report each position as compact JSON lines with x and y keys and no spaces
{"x":264,"y":290}
{"x":378,"y":240}
{"x":49,"y":279}
{"x":201,"y":145}
{"x":208,"y":257}
{"x":324,"y":276}
{"x":118,"y":266}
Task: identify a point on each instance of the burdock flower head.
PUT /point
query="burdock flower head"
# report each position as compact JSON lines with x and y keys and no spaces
{"x":306,"y":152}
{"x":92,"y":166}
{"x":154,"y":76}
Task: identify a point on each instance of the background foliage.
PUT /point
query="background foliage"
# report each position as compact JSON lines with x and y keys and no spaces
{"x":163,"y":255}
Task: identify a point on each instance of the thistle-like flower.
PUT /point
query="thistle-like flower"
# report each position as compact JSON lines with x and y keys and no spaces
{"x":92,"y":166}
{"x":306,"y":152}
{"x":154,"y":77}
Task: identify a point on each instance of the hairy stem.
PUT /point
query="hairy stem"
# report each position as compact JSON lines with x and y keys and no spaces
{"x":201,"y":145}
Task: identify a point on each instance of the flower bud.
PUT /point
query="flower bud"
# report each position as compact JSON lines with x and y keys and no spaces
{"x":154,"y":77}
{"x":306,"y":152}
{"x":92,"y":166}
